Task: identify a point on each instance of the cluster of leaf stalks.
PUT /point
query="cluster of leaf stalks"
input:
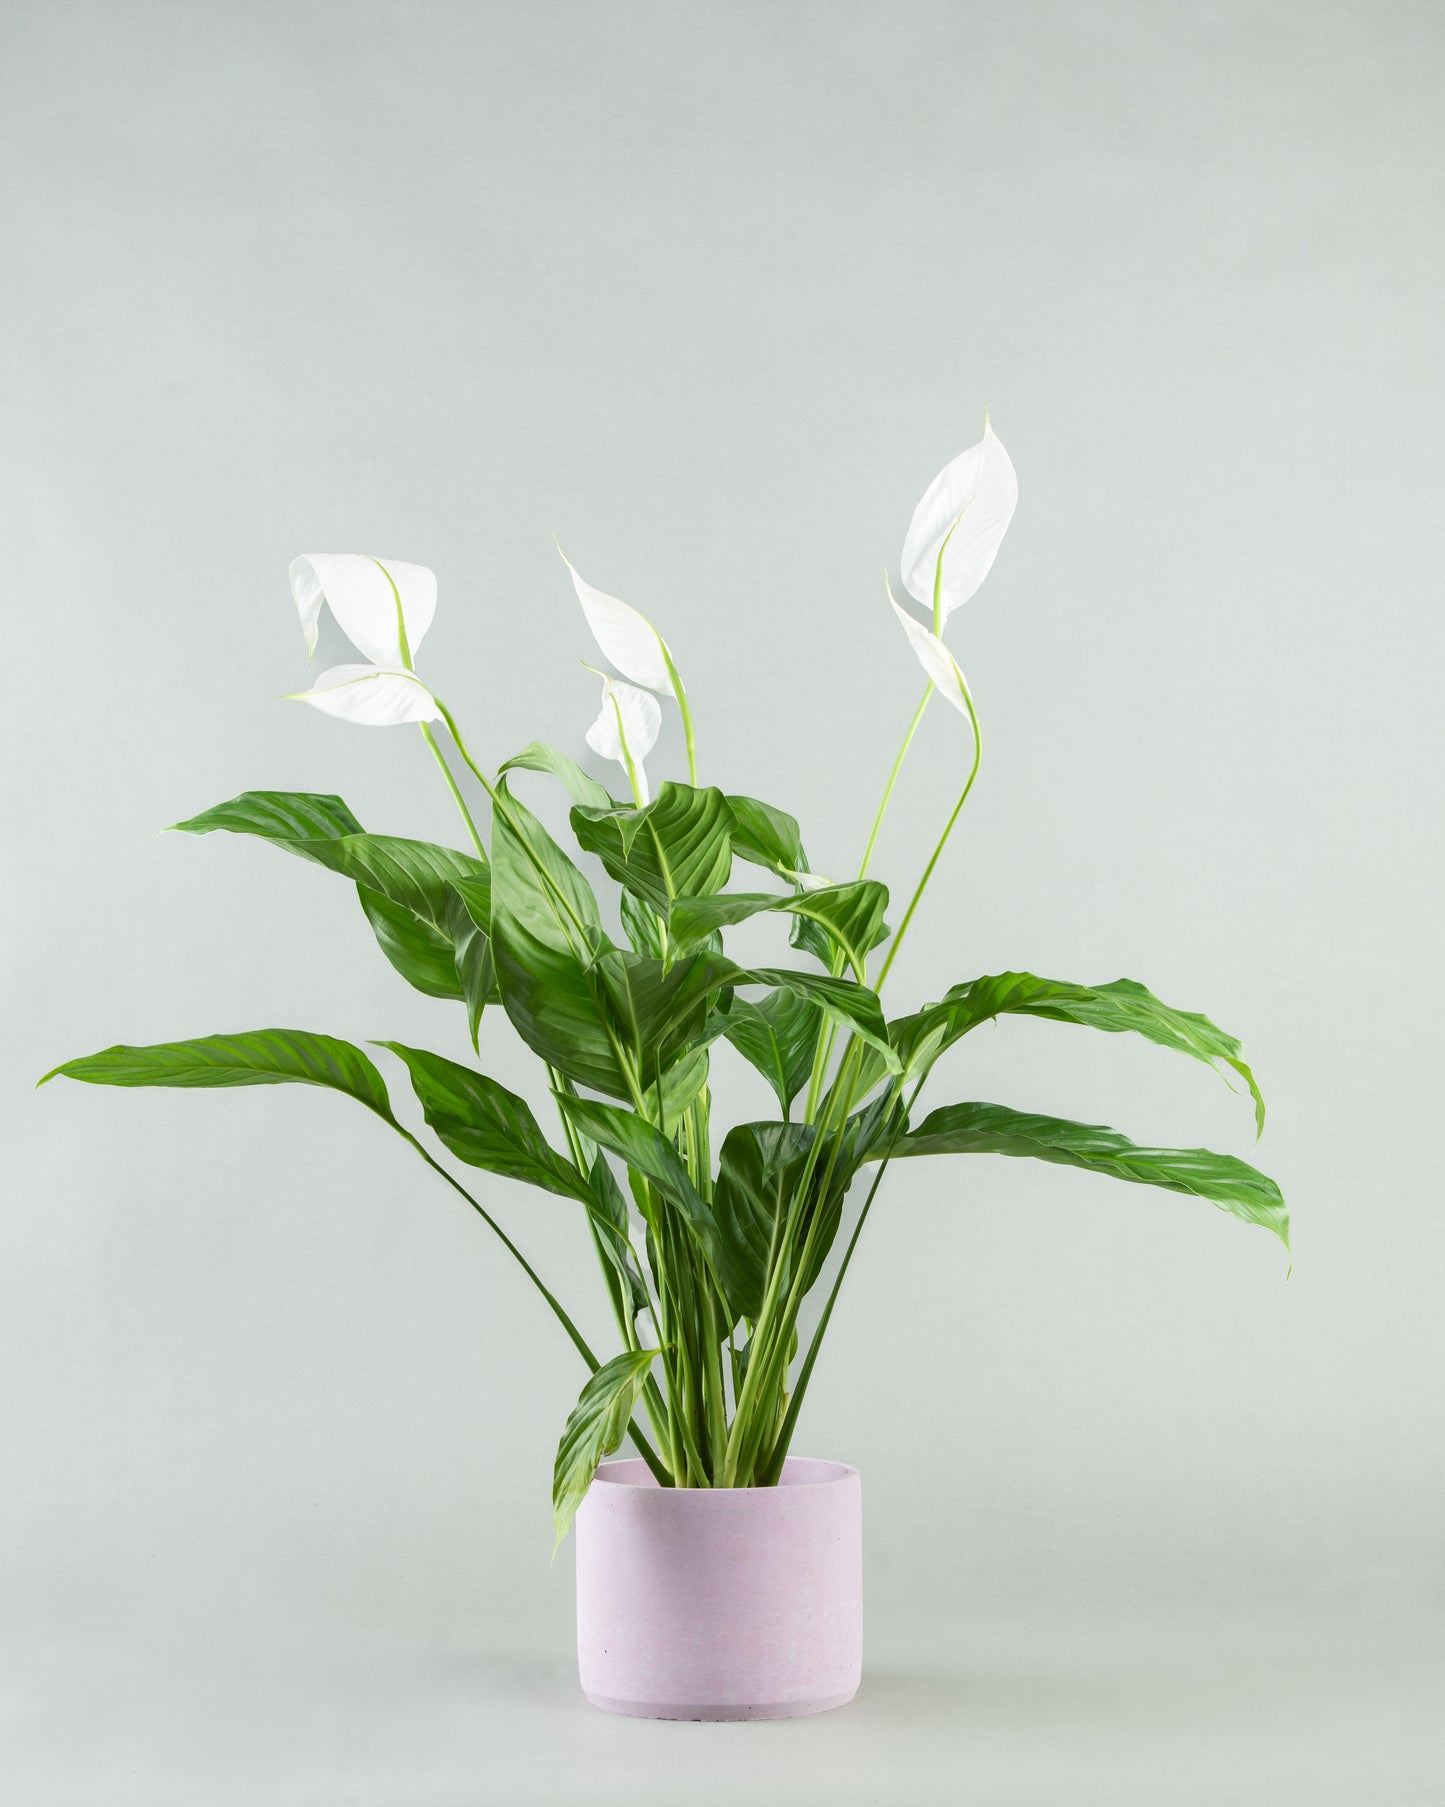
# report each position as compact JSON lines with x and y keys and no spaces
{"x":708,"y":1245}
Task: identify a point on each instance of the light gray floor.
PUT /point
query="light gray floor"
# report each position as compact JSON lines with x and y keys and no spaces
{"x":1173,"y":1714}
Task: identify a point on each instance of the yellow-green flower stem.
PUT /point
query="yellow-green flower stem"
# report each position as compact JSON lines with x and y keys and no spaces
{"x":401,"y":638}
{"x":937,"y":854}
{"x":453,"y":787}
{"x":683,"y":711}
{"x":633,"y":778}
{"x":887,"y":797}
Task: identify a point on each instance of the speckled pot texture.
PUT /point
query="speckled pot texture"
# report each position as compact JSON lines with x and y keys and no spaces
{"x":721,"y":1603}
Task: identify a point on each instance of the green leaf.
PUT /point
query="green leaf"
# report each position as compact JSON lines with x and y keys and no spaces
{"x":1123,"y":1006}
{"x":760,"y":1168}
{"x":682,"y":1085}
{"x":402,"y":884}
{"x":994,"y":1129}
{"x":768,"y":837}
{"x":658,"y":1011}
{"x":610,"y":1218}
{"x":640,"y":921}
{"x":648,"y":1152}
{"x":539,"y":757}
{"x":546,"y":932}
{"x":596,"y":1426}
{"x":779,"y":1037}
{"x":258,"y":1057}
{"x":412,"y":874}
{"x":291,"y":818}
{"x":847,"y":1003}
{"x":485,"y":1125}
{"x":851,"y":915}
{"x":421,"y":954}
{"x":469,"y":923}
{"x":679,"y":845}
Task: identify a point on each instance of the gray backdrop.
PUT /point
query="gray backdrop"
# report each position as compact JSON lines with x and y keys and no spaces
{"x":711,"y":293}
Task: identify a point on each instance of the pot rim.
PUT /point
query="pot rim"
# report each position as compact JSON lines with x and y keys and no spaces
{"x":798,"y":1471}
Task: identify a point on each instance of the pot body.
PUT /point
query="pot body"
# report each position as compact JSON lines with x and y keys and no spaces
{"x":721,"y":1603}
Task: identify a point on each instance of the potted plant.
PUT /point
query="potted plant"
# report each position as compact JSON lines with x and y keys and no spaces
{"x":719,"y":1575}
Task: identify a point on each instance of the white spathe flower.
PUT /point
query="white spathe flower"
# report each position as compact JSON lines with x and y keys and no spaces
{"x":629,"y":640}
{"x":374,"y":696}
{"x":935,"y":658}
{"x":964,"y":514}
{"x":626,"y":729}
{"x":383,"y":606}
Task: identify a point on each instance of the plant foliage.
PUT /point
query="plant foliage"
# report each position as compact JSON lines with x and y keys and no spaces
{"x":709,"y":1244}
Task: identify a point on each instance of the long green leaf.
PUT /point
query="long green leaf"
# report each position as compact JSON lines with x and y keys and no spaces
{"x":610,"y":1218}
{"x":648,"y":1152}
{"x":539,"y":757}
{"x":1122,"y":1007}
{"x":759,"y":1172}
{"x":779,"y":1037}
{"x":402,"y":884}
{"x":546,"y":933}
{"x":595,"y":1427}
{"x":658,"y":1011}
{"x":279,"y":1057}
{"x":288,"y":818}
{"x":422,"y":955}
{"x":485,"y":1125}
{"x":469,"y":923}
{"x":851,"y":915}
{"x":854,"y":1007}
{"x":994,"y":1129}
{"x":679,"y":845}
{"x":257,"y":1057}
{"x":413,"y":874}
{"x":769,"y":837}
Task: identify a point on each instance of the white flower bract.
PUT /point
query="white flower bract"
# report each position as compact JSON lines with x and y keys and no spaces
{"x":627,"y":725}
{"x":373,"y":601}
{"x":373,"y":696}
{"x":938,"y":662}
{"x":964,"y":514}
{"x":627,"y":639}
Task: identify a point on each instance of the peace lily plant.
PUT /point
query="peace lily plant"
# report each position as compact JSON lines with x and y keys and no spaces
{"x":709,"y":1244}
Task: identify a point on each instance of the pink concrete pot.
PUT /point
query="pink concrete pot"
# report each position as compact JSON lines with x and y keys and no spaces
{"x":721,"y":1603}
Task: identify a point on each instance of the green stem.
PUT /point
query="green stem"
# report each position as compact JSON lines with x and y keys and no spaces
{"x":902,"y":754}
{"x":578,"y":1341}
{"x":683,"y":711}
{"x":805,"y":1373}
{"x":452,"y":786}
{"x":823,"y":1053}
{"x":928,"y":870}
